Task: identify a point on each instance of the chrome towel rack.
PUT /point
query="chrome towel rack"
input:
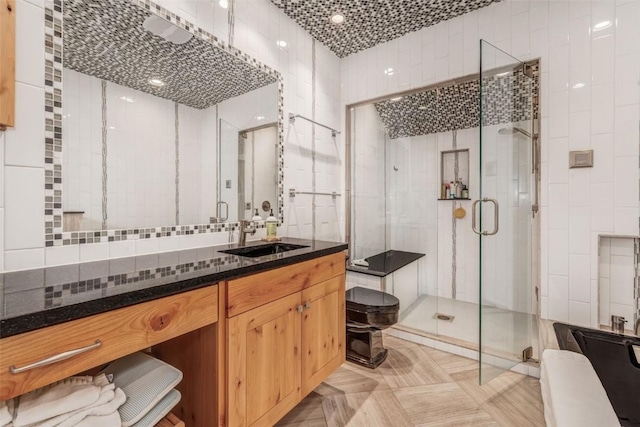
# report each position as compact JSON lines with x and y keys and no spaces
{"x":292,"y":118}
{"x":293,"y":192}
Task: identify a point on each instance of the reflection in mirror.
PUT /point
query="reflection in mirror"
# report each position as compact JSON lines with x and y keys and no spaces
{"x":248,"y":174}
{"x":140,"y":121}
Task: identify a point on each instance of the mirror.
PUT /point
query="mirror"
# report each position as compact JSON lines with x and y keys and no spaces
{"x":153,"y":113}
{"x":248,"y":142}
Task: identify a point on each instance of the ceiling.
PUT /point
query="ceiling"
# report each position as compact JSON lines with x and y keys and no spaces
{"x":106,"y":39}
{"x":506,"y":98}
{"x":371,"y":22}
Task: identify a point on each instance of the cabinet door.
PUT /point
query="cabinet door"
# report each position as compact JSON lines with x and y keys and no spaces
{"x":264,"y":363}
{"x":323,"y":331}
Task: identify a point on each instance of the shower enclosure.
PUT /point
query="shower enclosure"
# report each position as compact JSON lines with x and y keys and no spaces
{"x":450,"y":172}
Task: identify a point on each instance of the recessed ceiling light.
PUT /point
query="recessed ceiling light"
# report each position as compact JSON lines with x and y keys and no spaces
{"x":156,"y":82}
{"x":601,"y":25}
{"x":389,"y":71}
{"x":422,"y":107}
{"x":338,"y":18}
{"x":112,"y":127}
{"x":506,"y":73}
{"x":127,"y":99}
{"x":396,"y":99}
{"x":259,"y":118}
{"x":578,"y":85}
{"x":224,"y":4}
{"x":281,"y":43}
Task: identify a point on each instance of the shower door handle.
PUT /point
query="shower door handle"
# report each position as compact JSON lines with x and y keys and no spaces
{"x":473,"y":216}
{"x":496,"y":216}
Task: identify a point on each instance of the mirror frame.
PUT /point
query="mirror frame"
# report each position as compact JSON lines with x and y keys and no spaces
{"x":53,"y":215}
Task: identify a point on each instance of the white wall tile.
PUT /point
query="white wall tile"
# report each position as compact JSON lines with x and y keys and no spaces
{"x":146,"y":246}
{"x":579,"y":278}
{"x":625,"y":181}
{"x":626,"y":129}
{"x":602,"y":112}
{"x":24,"y":143}
{"x":59,"y":255}
{"x":24,"y":208}
{"x":602,"y":65}
{"x":122,"y":249}
{"x":23,"y":259}
{"x":580,"y":313}
{"x":579,"y":229}
{"x":558,"y":252}
{"x":29,"y":44}
{"x":94,"y":252}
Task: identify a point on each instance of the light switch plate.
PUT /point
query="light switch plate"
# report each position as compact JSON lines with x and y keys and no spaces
{"x":581,"y":159}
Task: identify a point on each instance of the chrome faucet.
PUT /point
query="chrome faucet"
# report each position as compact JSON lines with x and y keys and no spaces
{"x":246,"y":226}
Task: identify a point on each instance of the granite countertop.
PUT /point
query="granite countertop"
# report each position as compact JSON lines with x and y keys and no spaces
{"x":386,"y":263}
{"x":37,"y":298}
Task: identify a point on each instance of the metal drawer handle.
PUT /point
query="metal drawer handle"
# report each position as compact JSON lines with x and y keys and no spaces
{"x":56,"y":358}
{"x":300,"y":308}
{"x":307,"y":305}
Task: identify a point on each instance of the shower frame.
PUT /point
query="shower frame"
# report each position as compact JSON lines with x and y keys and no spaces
{"x":536,"y":171}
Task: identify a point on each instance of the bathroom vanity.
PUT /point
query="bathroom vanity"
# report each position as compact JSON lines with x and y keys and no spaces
{"x":252,"y":335}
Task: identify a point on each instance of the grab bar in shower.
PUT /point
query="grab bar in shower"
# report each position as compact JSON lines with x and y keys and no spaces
{"x":293,"y":192}
{"x":292,"y":118}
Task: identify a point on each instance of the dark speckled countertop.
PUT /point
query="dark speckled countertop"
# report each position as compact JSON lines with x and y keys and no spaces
{"x":43,"y":297}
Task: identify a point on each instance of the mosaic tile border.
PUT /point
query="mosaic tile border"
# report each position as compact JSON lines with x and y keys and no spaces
{"x":54,"y":234}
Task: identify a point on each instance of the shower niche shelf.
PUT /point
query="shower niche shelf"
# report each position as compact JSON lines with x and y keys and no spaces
{"x":454,"y":167}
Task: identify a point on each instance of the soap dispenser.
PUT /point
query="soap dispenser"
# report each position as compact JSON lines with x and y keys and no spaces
{"x":256,"y":216}
{"x":272,"y":226}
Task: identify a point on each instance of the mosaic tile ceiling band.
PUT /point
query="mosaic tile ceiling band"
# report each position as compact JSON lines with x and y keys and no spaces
{"x":506,"y":99}
{"x":370,"y":22}
{"x":106,"y":39}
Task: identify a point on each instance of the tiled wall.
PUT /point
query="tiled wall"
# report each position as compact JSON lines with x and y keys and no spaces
{"x":415,"y":220}
{"x":368,"y":169}
{"x":590,"y":99}
{"x":258,"y":25}
{"x":617,"y":280}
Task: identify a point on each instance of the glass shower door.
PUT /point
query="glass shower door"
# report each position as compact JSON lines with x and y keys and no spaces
{"x":502,"y":215}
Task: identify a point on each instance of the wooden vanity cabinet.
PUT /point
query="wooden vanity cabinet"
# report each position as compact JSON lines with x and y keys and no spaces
{"x":281,"y":350}
{"x":180,"y":329}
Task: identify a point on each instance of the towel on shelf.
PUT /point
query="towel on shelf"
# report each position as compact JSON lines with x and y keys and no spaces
{"x":59,"y":398}
{"x":108,"y":411}
{"x":111,"y":420}
{"x":6,"y":412}
{"x":111,"y":398}
{"x":7,"y":409}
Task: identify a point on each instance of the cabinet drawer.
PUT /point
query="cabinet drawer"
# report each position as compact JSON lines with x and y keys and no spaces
{"x":249,"y":292}
{"x":119,"y":332}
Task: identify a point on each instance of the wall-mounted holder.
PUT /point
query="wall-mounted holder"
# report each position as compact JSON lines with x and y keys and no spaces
{"x":293,"y":192}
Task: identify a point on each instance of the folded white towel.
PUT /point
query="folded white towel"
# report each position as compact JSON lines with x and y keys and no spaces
{"x":111,"y":420}
{"x":101,"y":412}
{"x":6,"y":412}
{"x":361,"y":262}
{"x":58,"y":398}
{"x":107,"y":395}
